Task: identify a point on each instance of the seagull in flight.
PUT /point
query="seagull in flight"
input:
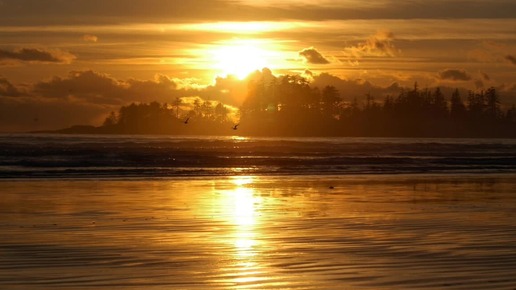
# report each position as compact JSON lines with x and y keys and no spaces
{"x":186,"y":121}
{"x":235,"y":127}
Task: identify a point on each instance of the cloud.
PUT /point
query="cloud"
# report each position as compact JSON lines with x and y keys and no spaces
{"x":511,"y":59}
{"x":8,"y":90}
{"x":86,"y":97}
{"x":98,"y":88}
{"x":33,"y":113}
{"x":479,"y":84}
{"x":88,"y":86}
{"x":90,"y":38}
{"x":454,"y":75}
{"x":380,"y":44}
{"x":312,"y":56}
{"x":188,"y":83}
{"x":351,"y":89}
{"x":189,"y":103}
{"x":492,"y":52}
{"x":58,"y":12}
{"x":229,"y":90}
{"x":308,"y":74}
{"x":482,"y":81}
{"x":161,"y":89}
{"x":36,"y":55}
{"x":481,"y":55}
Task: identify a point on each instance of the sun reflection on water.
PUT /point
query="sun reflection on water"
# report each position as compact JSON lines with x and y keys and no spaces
{"x":239,"y":138}
{"x":244,"y":209}
{"x":244,"y":215}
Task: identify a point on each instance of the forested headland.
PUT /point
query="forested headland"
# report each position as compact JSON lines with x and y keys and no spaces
{"x":289,"y":106}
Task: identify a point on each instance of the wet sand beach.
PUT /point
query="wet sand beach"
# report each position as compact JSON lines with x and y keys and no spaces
{"x":260,"y":232}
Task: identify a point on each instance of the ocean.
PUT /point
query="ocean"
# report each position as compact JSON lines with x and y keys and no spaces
{"x":159,"y":212}
{"x":83,"y":156}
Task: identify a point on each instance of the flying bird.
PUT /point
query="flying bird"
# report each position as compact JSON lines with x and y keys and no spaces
{"x":186,"y":121}
{"x":235,"y":127}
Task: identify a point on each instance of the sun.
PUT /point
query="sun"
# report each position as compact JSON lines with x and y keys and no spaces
{"x":241,"y":57}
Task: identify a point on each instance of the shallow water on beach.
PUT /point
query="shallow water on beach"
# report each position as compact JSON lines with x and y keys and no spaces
{"x":261,"y":232}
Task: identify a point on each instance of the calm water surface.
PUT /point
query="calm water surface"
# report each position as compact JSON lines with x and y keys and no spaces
{"x":83,"y":156}
{"x":260,"y":232}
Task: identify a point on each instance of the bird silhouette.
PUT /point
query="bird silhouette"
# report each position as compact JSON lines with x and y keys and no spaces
{"x":186,"y":121}
{"x":235,"y":127}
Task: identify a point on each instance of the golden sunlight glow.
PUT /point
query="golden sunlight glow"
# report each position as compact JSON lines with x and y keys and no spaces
{"x":248,"y":27}
{"x":242,"y":180}
{"x":241,"y":57}
{"x":245,"y":218}
{"x":239,"y":138}
{"x":244,"y":212}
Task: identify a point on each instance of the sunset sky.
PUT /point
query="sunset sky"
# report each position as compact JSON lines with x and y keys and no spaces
{"x":66,"y":62}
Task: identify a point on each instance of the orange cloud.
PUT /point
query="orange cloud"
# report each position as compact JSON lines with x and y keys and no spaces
{"x":90,"y":38}
{"x":98,"y":88}
{"x":312,"y":56}
{"x":87,"y":96}
{"x":380,"y":44}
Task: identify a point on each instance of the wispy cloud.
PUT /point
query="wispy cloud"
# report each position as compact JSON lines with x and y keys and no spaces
{"x":379,"y":44}
{"x":36,"y":55}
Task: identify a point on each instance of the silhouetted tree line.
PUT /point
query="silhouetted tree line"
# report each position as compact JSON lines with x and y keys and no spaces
{"x":289,"y":106}
{"x":157,"y":118}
